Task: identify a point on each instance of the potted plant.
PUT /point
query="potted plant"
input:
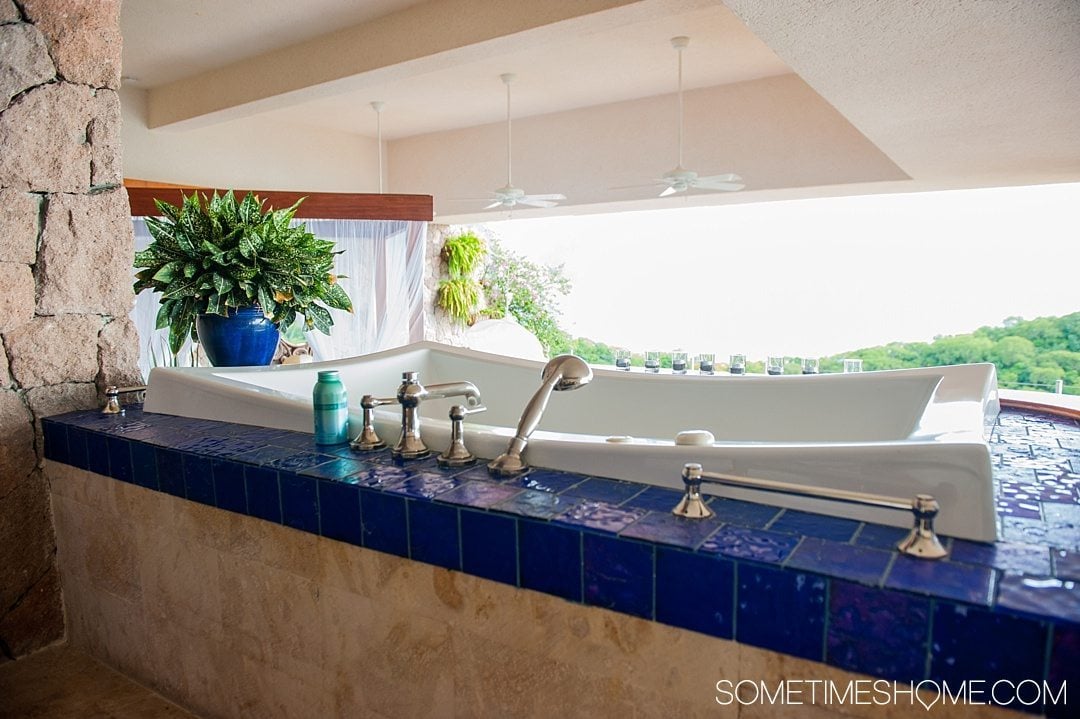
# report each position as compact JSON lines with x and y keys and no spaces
{"x":231,"y":275}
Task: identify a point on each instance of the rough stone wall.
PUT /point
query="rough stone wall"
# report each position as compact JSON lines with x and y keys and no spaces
{"x":65,"y":272}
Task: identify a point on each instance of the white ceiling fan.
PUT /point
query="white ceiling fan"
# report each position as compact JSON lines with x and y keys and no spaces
{"x":681,"y":179}
{"x":508,"y":196}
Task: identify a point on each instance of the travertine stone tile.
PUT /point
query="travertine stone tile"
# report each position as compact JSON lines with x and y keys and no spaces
{"x":198,"y":666}
{"x":276,"y":546}
{"x":499,"y":680}
{"x":270,"y":614}
{"x":72,"y":538}
{"x":93,"y":490}
{"x":107,"y":626}
{"x":154,"y":511}
{"x":180,"y":578}
{"x":64,"y":682}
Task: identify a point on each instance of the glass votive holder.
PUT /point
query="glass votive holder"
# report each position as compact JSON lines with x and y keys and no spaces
{"x":852,"y":365}
{"x":706,"y":363}
{"x":810,"y":365}
{"x":774,"y":365}
{"x":622,"y":359}
{"x":737,"y":365}
{"x":679,"y":362}
{"x":652,"y":361}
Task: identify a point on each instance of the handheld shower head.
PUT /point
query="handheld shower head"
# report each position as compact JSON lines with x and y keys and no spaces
{"x":562,"y":373}
{"x":568,"y":372}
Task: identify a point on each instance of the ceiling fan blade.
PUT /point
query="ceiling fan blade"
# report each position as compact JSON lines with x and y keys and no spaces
{"x":722,"y":186}
{"x":654,"y":183}
{"x":727,"y":177}
{"x":553,"y":196}
{"x":534,"y":202}
{"x":668,"y":192}
{"x":497,"y":203}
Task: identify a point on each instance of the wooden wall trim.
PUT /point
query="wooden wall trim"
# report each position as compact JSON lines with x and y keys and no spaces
{"x":317,"y":206}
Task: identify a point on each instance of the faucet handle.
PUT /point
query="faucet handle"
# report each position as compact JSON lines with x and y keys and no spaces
{"x":368,"y":440}
{"x":457,"y":455}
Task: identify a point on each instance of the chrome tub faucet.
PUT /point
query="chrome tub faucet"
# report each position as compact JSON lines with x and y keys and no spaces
{"x":410,"y":394}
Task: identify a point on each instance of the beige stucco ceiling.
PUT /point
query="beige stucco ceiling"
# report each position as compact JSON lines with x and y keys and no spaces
{"x":894,"y":95}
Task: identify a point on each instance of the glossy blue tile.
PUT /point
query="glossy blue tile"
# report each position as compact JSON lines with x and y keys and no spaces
{"x":339,"y":468}
{"x":296,"y":440}
{"x":299,"y":502}
{"x":143,"y":464}
{"x":1066,"y":564}
{"x":170,"y":471}
{"x":1064,"y":667}
{"x":546,"y":480}
{"x":609,"y":491}
{"x":198,"y":479}
{"x":433,"y":534}
{"x":695,"y":592}
{"x":339,"y":511}
{"x":962,"y":582}
{"x":385,"y":522}
{"x":263,"y":494}
{"x":767,"y":594}
{"x":489,"y":546}
{"x":1041,"y":597}
{"x":424,"y":485}
{"x":56,"y":444}
{"x":216,"y":446}
{"x":97,"y":453}
{"x":877,"y":632}
{"x":655,"y":499}
{"x":601,"y":516}
{"x":229,"y":490}
{"x":743,"y":514}
{"x":665,"y":528}
{"x":757,"y":544}
{"x":550,"y":558}
{"x":618,"y":574}
{"x":477,"y":471}
{"x":288,"y":459}
{"x":76,"y":437}
{"x":1009,"y":558}
{"x":966,"y":646}
{"x":815,"y":525}
{"x":859,"y":564}
{"x":881,"y":536}
{"x":119,"y":459}
{"x":536,"y":503}
{"x":381,"y":475}
{"x":479,"y":494}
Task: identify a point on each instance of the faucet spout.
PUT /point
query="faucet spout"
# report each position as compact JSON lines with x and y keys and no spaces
{"x":455,"y":389}
{"x":565,"y":372}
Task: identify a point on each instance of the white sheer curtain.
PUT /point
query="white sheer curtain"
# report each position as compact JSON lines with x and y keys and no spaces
{"x":384,"y":262}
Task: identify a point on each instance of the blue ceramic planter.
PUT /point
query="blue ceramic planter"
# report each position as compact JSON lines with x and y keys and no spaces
{"x":244,"y":338}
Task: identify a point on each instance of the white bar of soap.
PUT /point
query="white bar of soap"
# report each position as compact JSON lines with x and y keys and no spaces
{"x":694,"y":438}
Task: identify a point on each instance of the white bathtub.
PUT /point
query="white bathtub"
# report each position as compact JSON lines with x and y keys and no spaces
{"x":898,"y":432}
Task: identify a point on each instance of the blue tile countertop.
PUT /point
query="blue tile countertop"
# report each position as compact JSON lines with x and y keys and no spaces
{"x":1007,"y":610}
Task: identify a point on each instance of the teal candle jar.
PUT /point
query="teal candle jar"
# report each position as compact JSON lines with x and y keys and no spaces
{"x":331,"y":409}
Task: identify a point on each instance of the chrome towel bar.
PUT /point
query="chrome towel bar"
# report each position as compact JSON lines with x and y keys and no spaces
{"x":921,"y":542}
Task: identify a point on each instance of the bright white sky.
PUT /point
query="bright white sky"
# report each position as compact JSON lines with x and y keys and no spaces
{"x":813,"y":277}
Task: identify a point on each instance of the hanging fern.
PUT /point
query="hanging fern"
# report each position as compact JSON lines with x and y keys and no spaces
{"x":463,"y":254}
{"x":458,"y":297}
{"x":459,"y":293}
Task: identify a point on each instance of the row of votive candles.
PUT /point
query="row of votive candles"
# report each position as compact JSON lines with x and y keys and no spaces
{"x":705,"y":363}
